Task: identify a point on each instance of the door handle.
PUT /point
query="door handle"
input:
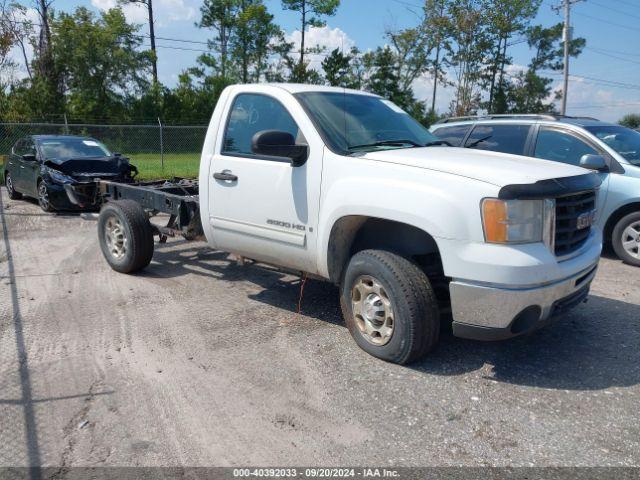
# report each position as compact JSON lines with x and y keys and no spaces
{"x":226,"y":176}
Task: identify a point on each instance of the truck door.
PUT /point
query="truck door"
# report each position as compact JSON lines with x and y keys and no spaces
{"x":263,"y":207}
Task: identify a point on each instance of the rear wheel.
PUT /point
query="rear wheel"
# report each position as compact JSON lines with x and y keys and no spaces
{"x":389,"y":306}
{"x":8,"y":181}
{"x":126,"y":236}
{"x":43,"y":197}
{"x":626,"y":239}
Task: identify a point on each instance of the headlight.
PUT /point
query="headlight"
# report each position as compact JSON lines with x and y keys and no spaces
{"x":518,"y":221}
{"x":59,"y":177}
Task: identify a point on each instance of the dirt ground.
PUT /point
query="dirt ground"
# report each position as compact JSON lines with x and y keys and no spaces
{"x":201,"y":362}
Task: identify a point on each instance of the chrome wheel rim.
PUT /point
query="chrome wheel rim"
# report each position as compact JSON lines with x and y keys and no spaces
{"x":9,"y":184}
{"x":116,"y":237}
{"x":43,"y":196}
{"x":372,"y":310}
{"x":631,"y":240}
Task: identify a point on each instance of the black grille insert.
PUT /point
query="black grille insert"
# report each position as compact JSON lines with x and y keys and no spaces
{"x":569,"y":237}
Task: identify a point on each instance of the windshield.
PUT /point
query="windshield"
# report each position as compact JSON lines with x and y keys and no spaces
{"x":352,"y":123}
{"x":623,"y":140}
{"x":56,"y":148}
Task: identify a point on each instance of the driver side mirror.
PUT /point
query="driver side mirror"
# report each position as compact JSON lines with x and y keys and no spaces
{"x":594,"y":162}
{"x":29,"y":157}
{"x":274,"y":143}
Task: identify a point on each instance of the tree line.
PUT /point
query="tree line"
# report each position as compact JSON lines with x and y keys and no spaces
{"x":97,"y":67}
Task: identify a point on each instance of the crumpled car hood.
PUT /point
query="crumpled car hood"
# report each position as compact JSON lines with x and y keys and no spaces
{"x":93,"y":167}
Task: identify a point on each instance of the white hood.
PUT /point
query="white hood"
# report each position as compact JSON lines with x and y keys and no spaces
{"x":499,"y":169}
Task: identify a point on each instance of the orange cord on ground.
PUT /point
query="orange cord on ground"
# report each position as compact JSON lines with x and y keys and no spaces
{"x":304,"y":281}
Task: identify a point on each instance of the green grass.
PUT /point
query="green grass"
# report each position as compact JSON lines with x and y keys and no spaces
{"x":175,"y":165}
{"x":150,"y":167}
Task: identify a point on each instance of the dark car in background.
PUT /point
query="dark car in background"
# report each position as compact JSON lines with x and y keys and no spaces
{"x":41,"y":165}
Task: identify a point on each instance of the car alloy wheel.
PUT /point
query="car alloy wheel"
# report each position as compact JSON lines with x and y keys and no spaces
{"x":43,"y":196}
{"x":9,"y":183}
{"x":372,"y":310}
{"x":631,"y":240}
{"x":116,"y":237}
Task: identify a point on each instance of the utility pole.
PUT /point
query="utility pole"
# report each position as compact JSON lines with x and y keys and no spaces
{"x":152,"y":37}
{"x":567,"y":34}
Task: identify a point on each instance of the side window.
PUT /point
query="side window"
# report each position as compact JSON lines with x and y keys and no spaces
{"x":18,"y":148}
{"x":29,"y":147}
{"x":252,"y":113}
{"x":453,"y":135}
{"x":499,"y":138}
{"x":24,"y":147}
{"x":561,"y":147}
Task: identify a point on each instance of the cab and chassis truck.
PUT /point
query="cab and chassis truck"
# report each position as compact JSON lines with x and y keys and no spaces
{"x":343,"y":185}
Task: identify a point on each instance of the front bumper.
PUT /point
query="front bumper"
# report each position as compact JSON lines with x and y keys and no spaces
{"x":58,"y":197}
{"x":82,"y":195}
{"x":490,"y":312}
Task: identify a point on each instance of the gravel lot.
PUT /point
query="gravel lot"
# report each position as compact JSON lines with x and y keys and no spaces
{"x":200,"y":362}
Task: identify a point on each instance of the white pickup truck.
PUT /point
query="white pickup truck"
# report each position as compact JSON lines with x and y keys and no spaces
{"x":345,"y":186}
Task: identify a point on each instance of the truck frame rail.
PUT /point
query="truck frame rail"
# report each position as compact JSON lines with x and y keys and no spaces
{"x":177,"y":197}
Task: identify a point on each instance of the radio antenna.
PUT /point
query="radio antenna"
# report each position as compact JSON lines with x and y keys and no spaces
{"x":344,"y":99}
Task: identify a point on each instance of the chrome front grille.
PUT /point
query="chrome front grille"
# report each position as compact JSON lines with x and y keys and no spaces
{"x":571,"y":211}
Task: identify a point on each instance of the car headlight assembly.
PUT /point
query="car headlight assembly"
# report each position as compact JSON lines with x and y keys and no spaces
{"x":58,"y":177}
{"x":519,"y":221}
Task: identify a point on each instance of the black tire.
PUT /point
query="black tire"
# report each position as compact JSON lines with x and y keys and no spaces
{"x":127,"y":218}
{"x":43,"y":197}
{"x":619,"y":236}
{"x":416,"y":317}
{"x":8,"y":182}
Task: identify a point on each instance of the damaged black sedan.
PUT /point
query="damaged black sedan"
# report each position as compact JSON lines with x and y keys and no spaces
{"x":41,"y":165}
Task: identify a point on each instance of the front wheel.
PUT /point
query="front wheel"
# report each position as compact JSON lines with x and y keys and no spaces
{"x":11,"y":190}
{"x":43,"y":197}
{"x":126,"y":236}
{"x":389,"y":306}
{"x":626,"y":239}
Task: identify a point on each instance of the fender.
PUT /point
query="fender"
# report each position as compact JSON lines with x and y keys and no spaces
{"x":419,"y":200}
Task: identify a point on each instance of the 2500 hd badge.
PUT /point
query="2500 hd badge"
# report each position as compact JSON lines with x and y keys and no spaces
{"x":292,"y":226}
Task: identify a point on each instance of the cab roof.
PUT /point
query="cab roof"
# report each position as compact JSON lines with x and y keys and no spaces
{"x":294,"y":88}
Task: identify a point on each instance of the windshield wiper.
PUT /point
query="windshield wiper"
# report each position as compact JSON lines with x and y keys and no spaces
{"x":436,"y":143}
{"x":385,"y":143}
{"x":479,"y":141}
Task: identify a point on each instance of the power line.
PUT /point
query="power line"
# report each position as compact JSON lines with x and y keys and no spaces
{"x":408,"y":6}
{"x":604,"y":50}
{"x":635,"y":5}
{"x":629,"y":27}
{"x":599,"y":81}
{"x":605,"y":105}
{"x":620,"y":25}
{"x":610,"y":8}
{"x":612,"y":56}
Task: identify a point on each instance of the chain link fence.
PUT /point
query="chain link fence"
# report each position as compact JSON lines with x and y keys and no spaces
{"x":157,"y":150}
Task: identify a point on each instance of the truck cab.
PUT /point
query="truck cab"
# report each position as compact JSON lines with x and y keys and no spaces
{"x":365,"y":177}
{"x":345,"y":186}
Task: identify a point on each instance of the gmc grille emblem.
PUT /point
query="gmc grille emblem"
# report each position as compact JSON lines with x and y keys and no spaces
{"x":585,"y":220}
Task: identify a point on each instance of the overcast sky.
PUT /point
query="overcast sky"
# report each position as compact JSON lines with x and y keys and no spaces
{"x":609,"y":68}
